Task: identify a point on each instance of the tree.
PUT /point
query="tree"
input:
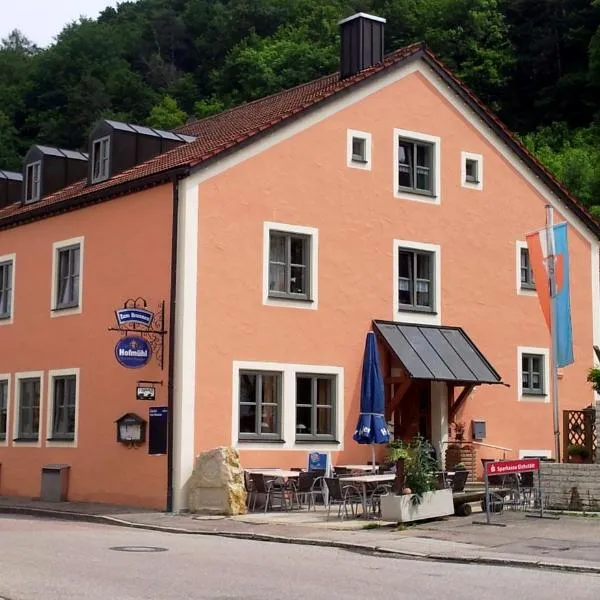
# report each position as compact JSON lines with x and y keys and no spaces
{"x":166,"y":114}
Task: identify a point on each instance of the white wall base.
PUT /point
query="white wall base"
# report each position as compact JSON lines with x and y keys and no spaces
{"x":402,"y":509}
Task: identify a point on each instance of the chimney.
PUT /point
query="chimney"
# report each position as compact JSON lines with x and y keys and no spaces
{"x":362,"y":43}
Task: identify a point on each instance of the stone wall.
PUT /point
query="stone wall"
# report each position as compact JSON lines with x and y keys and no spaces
{"x":571,"y":486}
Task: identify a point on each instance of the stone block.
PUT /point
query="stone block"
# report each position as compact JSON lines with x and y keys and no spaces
{"x":217,"y":483}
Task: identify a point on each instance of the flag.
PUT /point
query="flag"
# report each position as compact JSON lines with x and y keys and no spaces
{"x":538,"y":258}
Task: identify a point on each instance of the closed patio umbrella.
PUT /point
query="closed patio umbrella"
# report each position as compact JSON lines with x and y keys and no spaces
{"x":371,"y":427}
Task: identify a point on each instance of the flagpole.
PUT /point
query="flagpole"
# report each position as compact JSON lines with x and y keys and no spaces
{"x":553,"y":327}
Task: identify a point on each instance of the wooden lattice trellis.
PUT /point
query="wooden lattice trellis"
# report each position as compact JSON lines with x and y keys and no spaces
{"x":579,"y":428}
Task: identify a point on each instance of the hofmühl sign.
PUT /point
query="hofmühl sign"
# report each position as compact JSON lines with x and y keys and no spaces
{"x":506,"y":467}
{"x":133,"y":352}
{"x":139,"y":316}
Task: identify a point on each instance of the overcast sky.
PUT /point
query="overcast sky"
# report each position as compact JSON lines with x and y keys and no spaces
{"x":41,"y":20}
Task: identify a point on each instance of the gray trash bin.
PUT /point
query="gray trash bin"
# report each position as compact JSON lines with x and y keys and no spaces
{"x":55,"y":483}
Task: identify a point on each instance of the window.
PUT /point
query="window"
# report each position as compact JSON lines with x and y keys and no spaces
{"x":29,"y":409}
{"x":289,"y":265}
{"x":260,"y":405}
{"x":527,"y":281}
{"x":471,"y":170}
{"x":63,"y":408}
{"x":100,"y":159}
{"x":532,"y":374}
{"x":315,"y":409}
{"x":32,"y":181}
{"x":6,"y":284}
{"x":415,"y":166}
{"x":3,"y":408}
{"x":67,"y":283}
{"x":415,"y":280}
{"x":358,"y":149}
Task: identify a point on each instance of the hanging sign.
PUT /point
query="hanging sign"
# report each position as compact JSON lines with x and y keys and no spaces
{"x":145,"y":392}
{"x":133,"y":352}
{"x":139,"y":316}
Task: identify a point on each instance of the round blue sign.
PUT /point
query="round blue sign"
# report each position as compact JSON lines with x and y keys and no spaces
{"x":133,"y":352}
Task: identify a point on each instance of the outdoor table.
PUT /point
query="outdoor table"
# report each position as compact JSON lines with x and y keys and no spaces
{"x":365,"y":468}
{"x":364,"y":479}
{"x":275,"y":472}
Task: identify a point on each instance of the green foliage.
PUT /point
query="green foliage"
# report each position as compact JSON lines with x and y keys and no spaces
{"x":397,"y":450}
{"x":166,"y":114}
{"x":577,"y":450}
{"x":420,"y":467}
{"x":537,"y":62}
{"x":593,"y":377}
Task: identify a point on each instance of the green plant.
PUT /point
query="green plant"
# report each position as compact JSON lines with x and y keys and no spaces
{"x":460,"y":467}
{"x":420,"y":468}
{"x":397,"y":450}
{"x":578,"y":450}
{"x":593,"y":377}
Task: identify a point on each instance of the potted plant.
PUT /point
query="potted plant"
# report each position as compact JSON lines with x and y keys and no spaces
{"x":420,"y":499}
{"x":593,"y":377}
{"x":577,"y":453}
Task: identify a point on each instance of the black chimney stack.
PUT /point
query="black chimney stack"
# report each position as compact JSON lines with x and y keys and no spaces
{"x":362,"y":43}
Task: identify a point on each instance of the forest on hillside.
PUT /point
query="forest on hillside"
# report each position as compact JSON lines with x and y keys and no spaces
{"x":161,"y":62}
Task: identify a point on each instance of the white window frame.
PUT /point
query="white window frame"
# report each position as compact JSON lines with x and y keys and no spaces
{"x":416,"y":136}
{"x":105,"y":174}
{"x":27,"y":375}
{"x":350,"y":160}
{"x":313,"y":302}
{"x":478,"y":158}
{"x":541,"y":453}
{"x":36,"y":184}
{"x":56,"y":247}
{"x":6,"y":377}
{"x":544,"y":398}
{"x":521,"y":291}
{"x":418,"y":317}
{"x":53,"y":374}
{"x":288,"y":406}
{"x":11,"y":258}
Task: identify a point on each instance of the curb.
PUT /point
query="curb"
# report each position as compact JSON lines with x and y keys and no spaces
{"x":265,"y":537}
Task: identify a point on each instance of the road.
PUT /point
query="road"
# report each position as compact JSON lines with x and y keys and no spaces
{"x":58,"y":560}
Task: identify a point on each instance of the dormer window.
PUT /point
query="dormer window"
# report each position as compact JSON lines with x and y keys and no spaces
{"x":32,"y":182}
{"x":100,"y":158}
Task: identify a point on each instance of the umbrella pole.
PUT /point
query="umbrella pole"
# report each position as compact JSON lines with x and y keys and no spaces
{"x":373,"y":457}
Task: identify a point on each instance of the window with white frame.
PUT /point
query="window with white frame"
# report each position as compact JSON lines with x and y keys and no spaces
{"x":260,"y":394}
{"x":416,"y":279}
{"x":527,"y":280}
{"x":67,"y":277}
{"x":358,"y":149}
{"x":100,"y":159}
{"x":32,"y":181}
{"x":28,"y":409}
{"x":532,"y":374}
{"x":3,"y":409}
{"x":415,"y":166}
{"x":471,"y":170}
{"x":315,"y":407}
{"x":63,"y":407}
{"x":289,"y":265}
{"x":6,"y":288}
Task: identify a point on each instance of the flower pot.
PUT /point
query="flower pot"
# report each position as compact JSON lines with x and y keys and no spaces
{"x":404,"y":509}
{"x":576,"y":458}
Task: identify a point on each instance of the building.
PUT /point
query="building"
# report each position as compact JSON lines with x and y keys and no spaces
{"x":275,"y":235}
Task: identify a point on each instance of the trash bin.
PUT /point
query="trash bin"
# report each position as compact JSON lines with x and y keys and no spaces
{"x":55,"y":483}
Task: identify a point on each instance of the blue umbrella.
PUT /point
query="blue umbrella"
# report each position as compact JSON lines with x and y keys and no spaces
{"x":371,"y":427}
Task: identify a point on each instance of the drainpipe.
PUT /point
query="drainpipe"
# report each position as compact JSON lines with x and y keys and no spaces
{"x":171,"y":371}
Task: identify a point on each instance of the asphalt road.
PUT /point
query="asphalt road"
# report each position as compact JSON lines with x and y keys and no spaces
{"x":57,"y":560}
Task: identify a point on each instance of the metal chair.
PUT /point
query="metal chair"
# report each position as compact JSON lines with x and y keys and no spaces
{"x":250,"y":489}
{"x":270,"y":490}
{"x":342,"y":495}
{"x":459,"y":481}
{"x":305,"y":488}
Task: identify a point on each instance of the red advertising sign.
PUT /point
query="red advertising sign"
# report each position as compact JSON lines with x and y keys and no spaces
{"x":506,"y":467}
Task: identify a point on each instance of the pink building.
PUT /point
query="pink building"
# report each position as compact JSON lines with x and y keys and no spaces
{"x":277,"y":234}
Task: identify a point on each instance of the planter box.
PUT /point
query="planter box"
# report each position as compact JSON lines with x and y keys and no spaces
{"x":403,"y":509}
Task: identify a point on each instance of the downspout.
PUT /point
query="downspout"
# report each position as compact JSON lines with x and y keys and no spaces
{"x":172,"y":311}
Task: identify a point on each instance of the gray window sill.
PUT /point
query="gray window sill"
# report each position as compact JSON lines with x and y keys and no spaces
{"x":61,"y":439}
{"x":405,"y":190}
{"x":316,"y":440}
{"x":2,"y":437}
{"x":27,"y":440}
{"x":528,"y":287}
{"x":531,"y":394}
{"x":4,"y":317}
{"x":65,"y":307}
{"x":272,"y":296}
{"x":260,"y":440}
{"x":416,"y":309}
{"x":362,"y":161}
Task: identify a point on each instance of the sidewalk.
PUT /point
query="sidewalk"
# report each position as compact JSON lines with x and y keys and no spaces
{"x":569,"y":544}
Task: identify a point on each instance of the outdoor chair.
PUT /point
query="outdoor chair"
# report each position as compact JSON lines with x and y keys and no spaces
{"x":271,"y":490}
{"x":307,"y":487}
{"x":342,"y":496}
{"x":374,"y":497}
{"x":341,"y":472}
{"x":250,"y":489}
{"x":459,"y":481}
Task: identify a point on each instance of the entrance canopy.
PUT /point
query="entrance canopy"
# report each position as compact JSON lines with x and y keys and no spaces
{"x":436,"y":353}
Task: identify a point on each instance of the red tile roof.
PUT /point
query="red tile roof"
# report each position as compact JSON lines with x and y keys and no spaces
{"x":225,"y":130}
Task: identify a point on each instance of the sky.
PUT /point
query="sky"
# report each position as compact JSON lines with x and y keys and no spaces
{"x":41,"y":20}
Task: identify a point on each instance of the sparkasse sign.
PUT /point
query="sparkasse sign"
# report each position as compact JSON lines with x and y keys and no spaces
{"x":506,"y":467}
